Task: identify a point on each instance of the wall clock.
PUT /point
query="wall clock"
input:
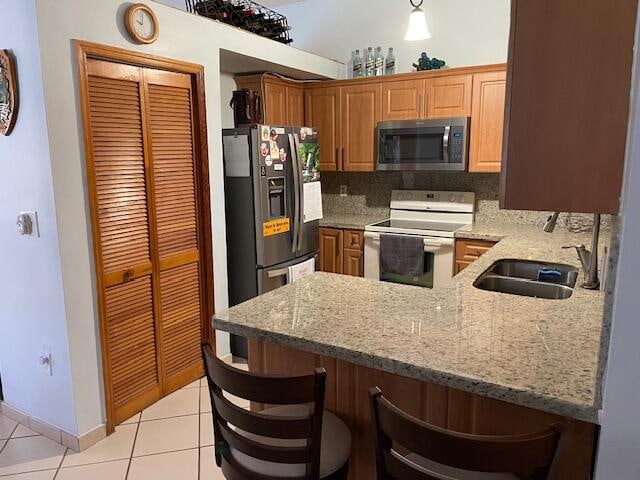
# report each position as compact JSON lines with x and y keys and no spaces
{"x":8,"y":93}
{"x":142,"y":23}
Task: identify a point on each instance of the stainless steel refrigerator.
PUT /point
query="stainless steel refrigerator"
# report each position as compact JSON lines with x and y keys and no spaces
{"x":272,"y":193}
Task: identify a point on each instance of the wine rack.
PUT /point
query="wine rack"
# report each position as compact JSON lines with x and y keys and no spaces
{"x":244,"y":14}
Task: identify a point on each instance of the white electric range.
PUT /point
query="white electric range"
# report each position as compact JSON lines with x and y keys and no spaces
{"x":430,"y":215}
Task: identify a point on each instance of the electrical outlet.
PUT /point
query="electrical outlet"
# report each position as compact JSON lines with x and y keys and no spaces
{"x":343,"y":190}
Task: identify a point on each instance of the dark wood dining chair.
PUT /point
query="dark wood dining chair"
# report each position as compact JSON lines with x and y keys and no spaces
{"x":433,"y":453}
{"x":296,"y":440}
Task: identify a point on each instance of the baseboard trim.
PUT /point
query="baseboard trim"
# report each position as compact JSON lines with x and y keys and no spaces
{"x":54,"y":433}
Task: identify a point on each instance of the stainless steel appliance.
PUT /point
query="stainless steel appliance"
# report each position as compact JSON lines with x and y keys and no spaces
{"x":432,"y":216}
{"x":435,"y":144}
{"x":269,"y":170}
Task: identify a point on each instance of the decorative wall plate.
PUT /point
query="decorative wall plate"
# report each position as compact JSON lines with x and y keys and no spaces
{"x":8,"y":93}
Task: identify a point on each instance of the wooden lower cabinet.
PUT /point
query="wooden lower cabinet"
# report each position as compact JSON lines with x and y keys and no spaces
{"x":342,"y":251}
{"x":468,"y":251}
{"x":330,"y":250}
{"x":347,"y":396}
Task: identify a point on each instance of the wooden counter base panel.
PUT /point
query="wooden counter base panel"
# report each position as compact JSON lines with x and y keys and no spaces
{"x":346,"y":396}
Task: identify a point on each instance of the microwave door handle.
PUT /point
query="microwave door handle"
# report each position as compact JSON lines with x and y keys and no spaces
{"x":445,"y":144}
{"x":296,"y":194}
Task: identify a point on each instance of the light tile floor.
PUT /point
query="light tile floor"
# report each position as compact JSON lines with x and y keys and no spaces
{"x":170,"y":440}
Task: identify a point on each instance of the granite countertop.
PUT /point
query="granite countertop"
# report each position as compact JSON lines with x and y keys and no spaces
{"x":350,"y":221}
{"x":543,"y":354}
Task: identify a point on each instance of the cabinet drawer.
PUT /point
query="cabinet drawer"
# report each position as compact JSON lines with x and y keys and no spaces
{"x":353,"y":239}
{"x":472,"y":249}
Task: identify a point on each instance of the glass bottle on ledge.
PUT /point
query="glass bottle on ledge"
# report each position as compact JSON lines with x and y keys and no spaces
{"x":390,"y":63}
{"x":369,"y":62}
{"x":379,"y":62}
{"x":357,"y":71}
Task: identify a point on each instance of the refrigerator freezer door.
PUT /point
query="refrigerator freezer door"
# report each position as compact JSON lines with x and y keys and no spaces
{"x":308,"y":155}
{"x":275,"y":208}
{"x":276,"y":276}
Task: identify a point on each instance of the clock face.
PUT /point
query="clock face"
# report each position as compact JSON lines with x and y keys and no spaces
{"x":143,"y":24}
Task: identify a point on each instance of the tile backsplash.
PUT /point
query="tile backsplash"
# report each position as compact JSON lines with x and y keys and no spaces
{"x":371,"y":193}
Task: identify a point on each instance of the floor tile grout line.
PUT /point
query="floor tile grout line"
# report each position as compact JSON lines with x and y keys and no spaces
{"x":6,"y":441}
{"x":172,"y":416}
{"x":60,"y":464}
{"x":133,"y":447}
{"x":164,"y":453}
{"x":199,"y":424}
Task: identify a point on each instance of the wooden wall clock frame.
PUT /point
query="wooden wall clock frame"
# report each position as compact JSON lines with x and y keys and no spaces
{"x":8,"y":71}
{"x":86,"y":51}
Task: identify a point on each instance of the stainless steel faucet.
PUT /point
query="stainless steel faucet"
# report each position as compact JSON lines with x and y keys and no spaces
{"x":550,"y":224}
{"x":588,"y":259}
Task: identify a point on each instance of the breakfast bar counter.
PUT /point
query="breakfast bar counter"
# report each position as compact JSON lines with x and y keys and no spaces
{"x":469,"y":360}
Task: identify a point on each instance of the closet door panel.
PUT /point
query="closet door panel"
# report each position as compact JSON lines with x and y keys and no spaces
{"x":176,"y":219}
{"x":118,"y":186}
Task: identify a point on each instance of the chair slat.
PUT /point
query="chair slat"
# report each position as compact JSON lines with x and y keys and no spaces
{"x":399,"y":469}
{"x":269,"y":389}
{"x":232,"y":470}
{"x":263,"y":451}
{"x":261,"y":424}
{"x":528,"y":454}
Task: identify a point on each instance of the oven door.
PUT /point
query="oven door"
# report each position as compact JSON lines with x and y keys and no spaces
{"x":438,"y":262}
{"x":438,"y":144}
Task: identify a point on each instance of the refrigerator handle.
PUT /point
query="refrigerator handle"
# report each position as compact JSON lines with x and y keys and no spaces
{"x":298,"y":166}
{"x":296,"y":192}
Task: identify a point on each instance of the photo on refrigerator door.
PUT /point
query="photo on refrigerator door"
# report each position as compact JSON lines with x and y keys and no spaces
{"x":310,"y":157}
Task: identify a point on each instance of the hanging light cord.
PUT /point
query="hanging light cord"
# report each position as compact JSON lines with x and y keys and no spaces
{"x":414,"y":5}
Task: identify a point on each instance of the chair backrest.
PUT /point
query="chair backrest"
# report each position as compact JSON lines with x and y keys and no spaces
{"x":528,"y":456}
{"x":228,"y":419}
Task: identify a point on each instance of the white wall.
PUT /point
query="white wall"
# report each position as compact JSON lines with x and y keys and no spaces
{"x":463,"y":32}
{"x":32,"y":311}
{"x":620,"y":419}
{"x":184,"y":37}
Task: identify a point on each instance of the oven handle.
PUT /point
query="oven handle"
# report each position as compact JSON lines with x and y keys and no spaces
{"x":430,"y":244}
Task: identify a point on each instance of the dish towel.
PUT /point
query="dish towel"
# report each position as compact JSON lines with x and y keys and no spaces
{"x":402,"y":255}
{"x":296,"y":272}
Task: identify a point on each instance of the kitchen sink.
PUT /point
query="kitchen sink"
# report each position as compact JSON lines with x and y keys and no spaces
{"x":556,"y":273}
{"x":528,"y":278}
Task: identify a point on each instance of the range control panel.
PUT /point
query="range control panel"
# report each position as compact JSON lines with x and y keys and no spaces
{"x":429,"y":200}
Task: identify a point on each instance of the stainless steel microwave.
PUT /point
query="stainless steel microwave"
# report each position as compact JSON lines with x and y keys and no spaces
{"x":434,"y":144}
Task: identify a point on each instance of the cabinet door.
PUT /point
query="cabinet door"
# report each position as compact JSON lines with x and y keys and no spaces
{"x":449,"y":96}
{"x":361,"y":112}
{"x":403,"y":100}
{"x":567,"y":118}
{"x":331,"y":250}
{"x":322,"y":111}
{"x":353,"y":264}
{"x":275,"y":103}
{"x":295,"y":106}
{"x":487,"y":122}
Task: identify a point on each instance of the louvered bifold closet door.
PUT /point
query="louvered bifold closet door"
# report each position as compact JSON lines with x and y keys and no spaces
{"x":176,"y":217}
{"x":118,"y":178}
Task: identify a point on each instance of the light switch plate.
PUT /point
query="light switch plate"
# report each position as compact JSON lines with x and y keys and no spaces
{"x":35,"y":228}
{"x":343,"y":190}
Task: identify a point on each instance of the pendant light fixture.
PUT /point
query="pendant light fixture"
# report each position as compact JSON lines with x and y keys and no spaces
{"x":418,"y":29}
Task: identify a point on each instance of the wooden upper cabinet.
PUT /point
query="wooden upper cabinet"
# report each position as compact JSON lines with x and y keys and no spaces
{"x":403,"y":100}
{"x":322,"y":111}
{"x":295,"y":106}
{"x":448,"y":96}
{"x":487,"y":124}
{"x":567,"y":104}
{"x":361,"y":108}
{"x":275,"y":102}
{"x":331,"y":250}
